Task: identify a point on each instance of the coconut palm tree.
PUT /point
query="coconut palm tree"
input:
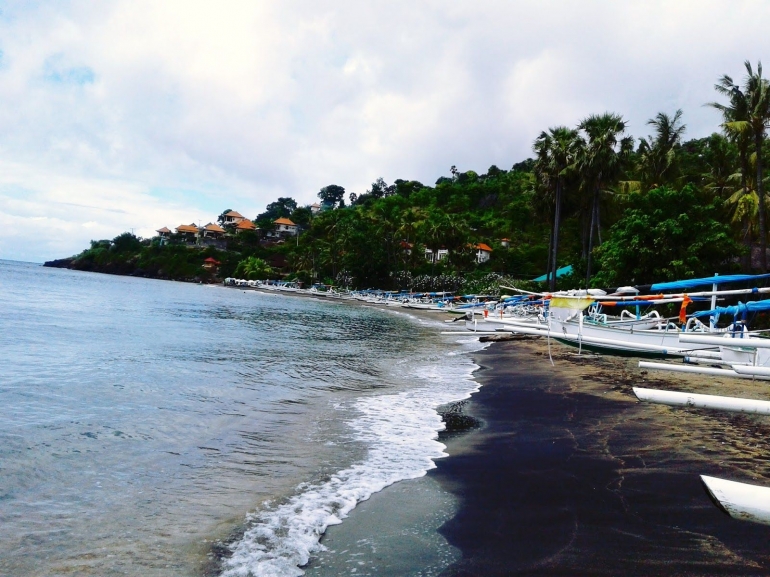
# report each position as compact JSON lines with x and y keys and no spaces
{"x":601,"y":164}
{"x":720,"y":160}
{"x":657,"y":154}
{"x":556,"y":152}
{"x":746,"y":118}
{"x":253,"y":268}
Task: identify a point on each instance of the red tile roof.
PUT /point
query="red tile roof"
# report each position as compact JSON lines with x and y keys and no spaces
{"x":245,"y":224}
{"x":211,"y":227}
{"x":187,"y":228}
{"x":484,"y":247}
{"x":234,"y":214}
{"x":285,"y":221}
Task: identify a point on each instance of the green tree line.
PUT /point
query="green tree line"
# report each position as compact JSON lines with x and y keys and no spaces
{"x":619,"y":209}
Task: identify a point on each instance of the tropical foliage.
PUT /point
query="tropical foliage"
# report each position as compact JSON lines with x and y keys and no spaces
{"x":253,"y":268}
{"x":619,"y":210}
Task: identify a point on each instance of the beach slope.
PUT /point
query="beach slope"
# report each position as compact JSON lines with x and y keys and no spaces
{"x":570,"y":475}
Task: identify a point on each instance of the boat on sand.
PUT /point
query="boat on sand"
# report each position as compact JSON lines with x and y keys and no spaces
{"x":741,"y":501}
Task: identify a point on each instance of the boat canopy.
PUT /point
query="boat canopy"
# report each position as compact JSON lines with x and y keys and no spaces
{"x":719,"y":279}
{"x":736,"y":310}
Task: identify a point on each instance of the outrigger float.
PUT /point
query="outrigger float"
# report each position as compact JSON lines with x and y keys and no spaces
{"x":739,"y":500}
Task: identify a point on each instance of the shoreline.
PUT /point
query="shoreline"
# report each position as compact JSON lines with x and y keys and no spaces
{"x":571,"y":475}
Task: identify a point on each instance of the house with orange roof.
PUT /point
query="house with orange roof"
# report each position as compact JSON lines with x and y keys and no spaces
{"x":233,"y":217}
{"x":188,"y":233}
{"x":212,"y":230}
{"x":315,"y":208}
{"x":187,"y":229}
{"x":285,"y":227}
{"x":506,"y":242}
{"x":483,"y":252}
{"x":245,"y":224}
{"x":164,"y":234}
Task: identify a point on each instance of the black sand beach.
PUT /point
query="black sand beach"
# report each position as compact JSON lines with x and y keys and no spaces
{"x":570,"y":475}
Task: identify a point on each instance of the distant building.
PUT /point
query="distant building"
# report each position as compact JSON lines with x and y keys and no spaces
{"x":483,"y":252}
{"x":315,"y":208}
{"x":189,"y":232}
{"x":440,"y":255}
{"x":233,"y":217}
{"x":164,"y":234}
{"x":212,"y":230}
{"x":506,"y":242}
{"x":211,"y":264}
{"x":285,"y":227}
{"x":187,"y":229}
{"x":245,"y":224}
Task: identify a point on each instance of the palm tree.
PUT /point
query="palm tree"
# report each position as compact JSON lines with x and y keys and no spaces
{"x":657,"y":153}
{"x":746,"y":119}
{"x":253,"y":268}
{"x":720,"y":161}
{"x":601,"y":163}
{"x":408,"y":226}
{"x":556,"y":152}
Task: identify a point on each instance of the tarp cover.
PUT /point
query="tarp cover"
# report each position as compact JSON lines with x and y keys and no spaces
{"x":739,"y":309}
{"x":693,"y":282}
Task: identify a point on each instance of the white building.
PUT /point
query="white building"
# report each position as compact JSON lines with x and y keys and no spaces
{"x":483,"y":252}
{"x":285,"y":227}
{"x":441,"y":254}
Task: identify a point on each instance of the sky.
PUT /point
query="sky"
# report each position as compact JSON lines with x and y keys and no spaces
{"x":133,"y":115}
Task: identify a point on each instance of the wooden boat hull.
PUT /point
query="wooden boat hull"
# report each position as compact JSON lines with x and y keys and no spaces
{"x":739,"y":500}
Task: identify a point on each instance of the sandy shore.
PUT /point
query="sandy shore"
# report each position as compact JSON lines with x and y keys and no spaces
{"x":571,"y":475}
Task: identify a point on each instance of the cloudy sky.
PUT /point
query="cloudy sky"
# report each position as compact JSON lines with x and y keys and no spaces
{"x":132,"y":115}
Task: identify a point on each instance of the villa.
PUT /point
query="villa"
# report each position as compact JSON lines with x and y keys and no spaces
{"x":284,"y":227}
{"x":233,"y":217}
{"x":245,"y":224}
{"x":212,"y":230}
{"x":441,"y":254}
{"x":483,"y":252}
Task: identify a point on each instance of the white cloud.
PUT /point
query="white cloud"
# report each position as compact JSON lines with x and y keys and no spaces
{"x":147,"y":114}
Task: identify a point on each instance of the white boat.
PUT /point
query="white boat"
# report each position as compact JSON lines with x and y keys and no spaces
{"x":698,"y":401}
{"x":739,"y":500}
{"x":569,"y":324}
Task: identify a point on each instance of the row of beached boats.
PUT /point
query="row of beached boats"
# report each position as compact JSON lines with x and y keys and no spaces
{"x":623,"y":322}
{"x":581,"y":319}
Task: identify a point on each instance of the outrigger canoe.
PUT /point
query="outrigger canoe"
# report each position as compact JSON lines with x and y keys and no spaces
{"x":739,"y":500}
{"x":698,"y":401}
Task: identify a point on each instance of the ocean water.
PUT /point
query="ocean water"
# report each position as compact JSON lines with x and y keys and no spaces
{"x":167,"y":429}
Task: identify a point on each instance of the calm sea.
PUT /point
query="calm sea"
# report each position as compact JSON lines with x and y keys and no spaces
{"x":147,"y":426}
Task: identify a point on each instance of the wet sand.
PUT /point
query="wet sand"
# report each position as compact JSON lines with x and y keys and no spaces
{"x":571,"y":475}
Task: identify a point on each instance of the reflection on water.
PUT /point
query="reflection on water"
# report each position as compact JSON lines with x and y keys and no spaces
{"x":142,"y":419}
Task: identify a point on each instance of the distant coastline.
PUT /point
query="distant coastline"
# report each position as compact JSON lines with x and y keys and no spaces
{"x":120,"y":269}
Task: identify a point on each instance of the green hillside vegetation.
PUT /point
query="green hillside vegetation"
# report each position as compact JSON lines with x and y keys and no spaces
{"x":620,"y":210}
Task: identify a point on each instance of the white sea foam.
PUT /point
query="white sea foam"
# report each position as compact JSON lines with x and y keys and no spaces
{"x":401,"y":432}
